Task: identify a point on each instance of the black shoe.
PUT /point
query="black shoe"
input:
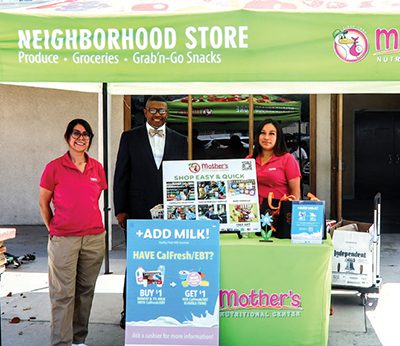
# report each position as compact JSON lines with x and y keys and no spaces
{"x":122,"y":322}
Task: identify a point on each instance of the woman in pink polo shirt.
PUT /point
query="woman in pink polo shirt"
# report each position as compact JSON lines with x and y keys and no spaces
{"x":73,"y":183}
{"x":277,"y":170}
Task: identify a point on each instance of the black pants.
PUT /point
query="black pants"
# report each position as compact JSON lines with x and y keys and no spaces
{"x":124,"y":292}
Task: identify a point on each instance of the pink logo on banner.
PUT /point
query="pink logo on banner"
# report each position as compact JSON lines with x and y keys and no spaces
{"x":350,"y":45}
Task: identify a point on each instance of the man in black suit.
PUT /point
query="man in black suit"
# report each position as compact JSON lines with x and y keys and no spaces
{"x":138,"y":171}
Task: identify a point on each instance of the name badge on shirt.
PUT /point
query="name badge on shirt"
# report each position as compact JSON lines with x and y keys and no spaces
{"x":272,"y":169}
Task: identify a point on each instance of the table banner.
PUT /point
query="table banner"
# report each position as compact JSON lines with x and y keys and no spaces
{"x":274,"y":293}
{"x":172,"y":283}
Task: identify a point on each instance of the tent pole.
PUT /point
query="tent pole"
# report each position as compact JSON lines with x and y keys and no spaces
{"x":339,"y":162}
{"x":190,"y":128}
{"x":251,"y":124}
{"x":300,"y":157}
{"x":106,"y":192}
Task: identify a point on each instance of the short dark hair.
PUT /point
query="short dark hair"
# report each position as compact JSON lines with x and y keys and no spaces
{"x":280,"y":145}
{"x":157,"y":98}
{"x":73,"y":123}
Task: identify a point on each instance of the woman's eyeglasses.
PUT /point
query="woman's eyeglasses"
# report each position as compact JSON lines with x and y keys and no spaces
{"x":77,"y":134}
{"x":153,"y":111}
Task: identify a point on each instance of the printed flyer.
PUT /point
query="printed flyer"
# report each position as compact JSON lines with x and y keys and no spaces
{"x":172,"y":282}
{"x":307,"y":221}
{"x":222,"y":190}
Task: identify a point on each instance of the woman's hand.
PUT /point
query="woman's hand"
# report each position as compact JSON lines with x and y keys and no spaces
{"x":121,"y":218}
{"x":44,"y":203}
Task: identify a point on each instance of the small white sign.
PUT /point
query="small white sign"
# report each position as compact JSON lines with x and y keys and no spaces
{"x":307,"y":222}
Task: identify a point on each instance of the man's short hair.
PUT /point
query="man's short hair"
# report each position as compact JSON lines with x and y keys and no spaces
{"x":157,"y":98}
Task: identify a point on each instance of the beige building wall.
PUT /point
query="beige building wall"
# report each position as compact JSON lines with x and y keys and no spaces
{"x":116,"y":127}
{"x":32,"y":125}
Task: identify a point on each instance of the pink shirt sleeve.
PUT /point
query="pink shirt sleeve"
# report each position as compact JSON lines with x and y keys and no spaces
{"x":292,"y":168}
{"x":47,"y":180}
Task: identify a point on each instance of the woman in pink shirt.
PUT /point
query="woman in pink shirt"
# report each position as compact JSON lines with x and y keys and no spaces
{"x":73,"y":184}
{"x":277,"y":170}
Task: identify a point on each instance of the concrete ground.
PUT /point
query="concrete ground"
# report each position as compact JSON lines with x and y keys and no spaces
{"x":24,"y":294}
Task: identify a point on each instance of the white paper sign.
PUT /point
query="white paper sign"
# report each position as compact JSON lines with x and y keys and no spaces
{"x":223,"y":190}
{"x":352,"y":259}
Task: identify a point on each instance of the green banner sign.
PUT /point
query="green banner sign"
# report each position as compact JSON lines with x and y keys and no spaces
{"x":231,"y":46}
{"x":233,"y":108}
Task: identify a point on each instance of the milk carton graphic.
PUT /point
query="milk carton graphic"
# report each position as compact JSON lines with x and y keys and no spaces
{"x":139,"y":276}
{"x":149,"y":277}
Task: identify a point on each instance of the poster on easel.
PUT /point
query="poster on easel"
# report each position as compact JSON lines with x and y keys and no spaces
{"x":222,"y":190}
{"x":172,"y":283}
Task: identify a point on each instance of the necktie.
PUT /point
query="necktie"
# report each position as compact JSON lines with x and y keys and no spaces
{"x":158,"y":132}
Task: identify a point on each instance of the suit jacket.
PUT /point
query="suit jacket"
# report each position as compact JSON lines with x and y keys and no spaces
{"x":137,"y":180}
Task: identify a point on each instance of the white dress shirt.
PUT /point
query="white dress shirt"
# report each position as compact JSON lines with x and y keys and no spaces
{"x":302,"y":153}
{"x":157,"y":144}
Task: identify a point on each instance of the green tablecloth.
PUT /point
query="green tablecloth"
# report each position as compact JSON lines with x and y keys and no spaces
{"x":294,"y":281}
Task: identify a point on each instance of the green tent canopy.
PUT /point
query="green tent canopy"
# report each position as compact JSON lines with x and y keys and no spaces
{"x":197,"y":46}
{"x":233,"y":108}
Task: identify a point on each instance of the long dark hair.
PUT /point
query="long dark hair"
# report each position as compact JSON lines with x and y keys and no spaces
{"x":280,"y":145}
{"x":73,"y":123}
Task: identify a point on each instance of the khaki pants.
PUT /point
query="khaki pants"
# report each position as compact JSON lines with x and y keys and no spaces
{"x":74,"y":264}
